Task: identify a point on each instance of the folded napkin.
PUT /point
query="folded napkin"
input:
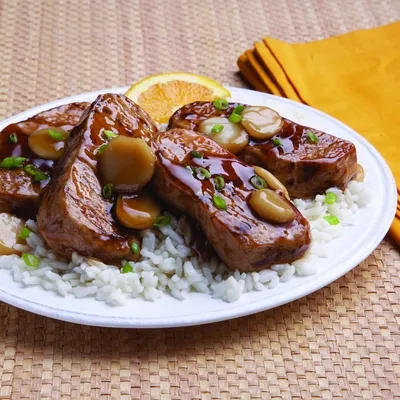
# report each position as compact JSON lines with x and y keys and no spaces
{"x":354,"y":77}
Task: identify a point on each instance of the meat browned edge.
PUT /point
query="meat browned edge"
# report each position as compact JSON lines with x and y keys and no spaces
{"x":18,"y":193}
{"x":74,"y":216}
{"x":240,"y":238}
{"x":305,"y":168}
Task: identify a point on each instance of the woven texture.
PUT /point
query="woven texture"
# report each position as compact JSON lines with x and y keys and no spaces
{"x":340,"y":342}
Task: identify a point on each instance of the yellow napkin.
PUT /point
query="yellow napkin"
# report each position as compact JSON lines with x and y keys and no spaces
{"x":354,"y":77}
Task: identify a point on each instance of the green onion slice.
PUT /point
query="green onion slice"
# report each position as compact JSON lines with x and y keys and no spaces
{"x":134,"y":248}
{"x":204,"y":172}
{"x":162,"y":220}
{"x":219,"y":182}
{"x":221,"y":104}
{"x":331,"y":220}
{"x":217,"y":128}
{"x":189,"y":168}
{"x":13,"y":138}
{"x":30,"y":260}
{"x":107,"y":191}
{"x":219,"y":202}
{"x":196,"y":154}
{"x":40,"y":176}
{"x":238,"y":109}
{"x":330,"y":198}
{"x":277,"y":142}
{"x":235,"y":118}
{"x":37,"y":175}
{"x":30,"y":169}
{"x":57,"y":136}
{"x":311,"y":137}
{"x":109,"y":134}
{"x":12,"y":162}
{"x":258,"y":182}
{"x":24,"y":234}
{"x":101,"y":149}
{"x":127,"y":268}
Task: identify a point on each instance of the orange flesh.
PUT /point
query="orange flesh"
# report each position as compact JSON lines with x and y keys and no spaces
{"x":162,"y":99}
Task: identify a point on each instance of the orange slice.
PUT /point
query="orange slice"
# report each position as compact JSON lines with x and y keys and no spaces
{"x":161,"y":95}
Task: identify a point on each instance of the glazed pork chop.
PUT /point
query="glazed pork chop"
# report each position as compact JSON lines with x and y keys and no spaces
{"x":199,"y":177}
{"x":75,"y":214}
{"x":19,"y":193}
{"x":307,"y":161}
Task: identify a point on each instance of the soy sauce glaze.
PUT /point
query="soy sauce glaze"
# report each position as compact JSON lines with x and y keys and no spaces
{"x":65,"y":117}
{"x":292,"y":136}
{"x":177,"y":159}
{"x":115,"y":114}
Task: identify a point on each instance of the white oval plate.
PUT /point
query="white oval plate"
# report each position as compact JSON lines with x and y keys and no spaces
{"x":346,"y":252}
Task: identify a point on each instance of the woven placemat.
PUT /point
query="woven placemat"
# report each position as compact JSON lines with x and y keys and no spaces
{"x":340,"y":342}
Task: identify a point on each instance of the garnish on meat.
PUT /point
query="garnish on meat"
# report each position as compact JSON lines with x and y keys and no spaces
{"x":307,"y":161}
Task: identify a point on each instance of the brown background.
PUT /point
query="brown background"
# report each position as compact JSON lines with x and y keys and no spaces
{"x":341,"y":342}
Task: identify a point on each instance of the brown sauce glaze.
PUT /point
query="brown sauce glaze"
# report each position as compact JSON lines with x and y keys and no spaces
{"x":305,"y":168}
{"x":18,"y":192}
{"x":75,"y":214}
{"x":240,"y":238}
{"x":119,"y":115}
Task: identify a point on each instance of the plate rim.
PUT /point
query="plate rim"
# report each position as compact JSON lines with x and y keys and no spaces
{"x":216,"y":315}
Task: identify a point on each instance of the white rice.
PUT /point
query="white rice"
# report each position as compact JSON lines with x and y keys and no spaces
{"x":168,"y":265}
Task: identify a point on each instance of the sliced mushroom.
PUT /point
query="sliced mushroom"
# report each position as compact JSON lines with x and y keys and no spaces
{"x":127,"y":163}
{"x":261,"y":123}
{"x":137,"y":211}
{"x":272,"y":181}
{"x":10,"y":228}
{"x":271,"y":207}
{"x":48,"y":143}
{"x":228,"y":135}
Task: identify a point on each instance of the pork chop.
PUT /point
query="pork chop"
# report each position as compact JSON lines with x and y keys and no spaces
{"x":186,"y":177}
{"x":19,"y":194}
{"x":74,"y":216}
{"x":306,"y":168}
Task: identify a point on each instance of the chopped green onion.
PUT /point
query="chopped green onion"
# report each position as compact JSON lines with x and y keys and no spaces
{"x":24,"y":233}
{"x":13,"y":138}
{"x":107,"y":191}
{"x":330,"y":198}
{"x":30,"y":260}
{"x":332,"y":220}
{"x":219,"y":182}
{"x":109,"y":134}
{"x":40,"y":176}
{"x":196,"y":154}
{"x":235,"y":118}
{"x":219,"y":202}
{"x":57,"y":136}
{"x":277,"y":142}
{"x":190,"y":168}
{"x":258,"y":182}
{"x":37,"y":175}
{"x":311,"y":137}
{"x":162,"y":220}
{"x":203,"y":172}
{"x":221,"y":104}
{"x":217,"y":128}
{"x":134,"y":248}
{"x":12,"y":162}
{"x":127,"y":268}
{"x":238,"y":109}
{"x":30,"y":169}
{"x":101,"y":149}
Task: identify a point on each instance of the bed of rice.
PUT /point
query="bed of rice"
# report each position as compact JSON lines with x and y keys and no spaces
{"x":169,"y":266}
